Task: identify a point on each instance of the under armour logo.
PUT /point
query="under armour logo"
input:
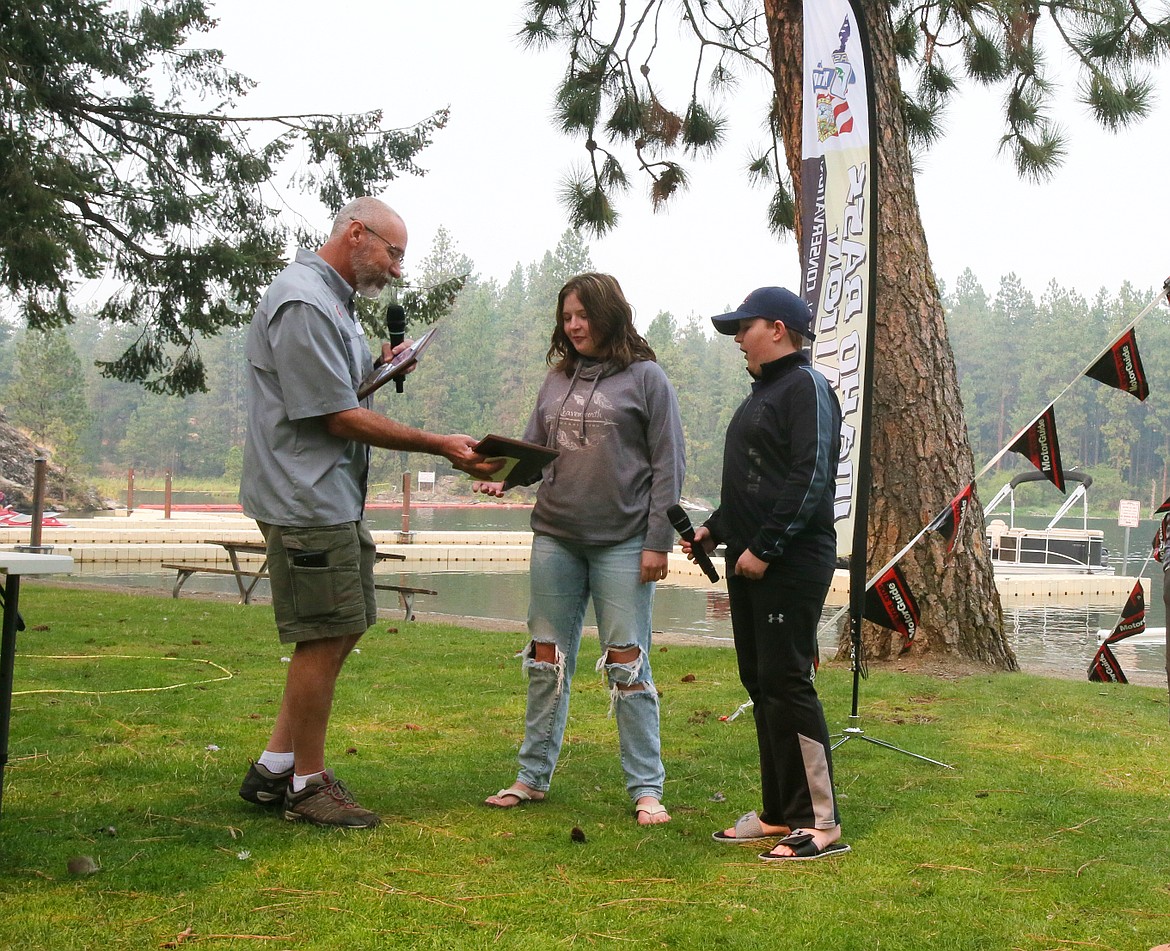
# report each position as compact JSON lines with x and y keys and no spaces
{"x":775,"y":618}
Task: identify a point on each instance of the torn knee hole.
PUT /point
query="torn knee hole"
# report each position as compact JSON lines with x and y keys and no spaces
{"x":622,"y":655}
{"x":543,"y":652}
{"x":624,"y":666}
{"x":544,"y":663}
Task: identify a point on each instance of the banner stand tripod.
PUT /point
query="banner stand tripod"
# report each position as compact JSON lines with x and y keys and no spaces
{"x":855,"y":731}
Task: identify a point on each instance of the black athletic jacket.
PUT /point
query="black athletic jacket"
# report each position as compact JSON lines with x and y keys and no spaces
{"x":779,"y":469}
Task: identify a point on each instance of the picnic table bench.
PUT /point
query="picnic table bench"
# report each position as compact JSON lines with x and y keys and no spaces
{"x":242,"y":575}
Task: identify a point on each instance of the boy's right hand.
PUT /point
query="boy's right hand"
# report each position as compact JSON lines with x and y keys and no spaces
{"x":702,"y":538}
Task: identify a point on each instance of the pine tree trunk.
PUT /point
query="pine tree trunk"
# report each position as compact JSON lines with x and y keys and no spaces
{"x":921,"y":455}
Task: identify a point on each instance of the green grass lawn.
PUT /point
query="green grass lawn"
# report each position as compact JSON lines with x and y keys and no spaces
{"x":1052,"y":832}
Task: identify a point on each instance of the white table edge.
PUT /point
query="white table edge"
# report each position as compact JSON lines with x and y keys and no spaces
{"x":34,"y":563}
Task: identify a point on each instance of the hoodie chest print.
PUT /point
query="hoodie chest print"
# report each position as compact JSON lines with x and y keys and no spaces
{"x":585,"y":421}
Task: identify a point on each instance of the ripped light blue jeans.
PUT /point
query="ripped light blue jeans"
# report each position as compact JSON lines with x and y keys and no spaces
{"x":563,"y":576}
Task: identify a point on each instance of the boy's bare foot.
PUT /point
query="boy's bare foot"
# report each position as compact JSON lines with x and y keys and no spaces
{"x":749,"y":828}
{"x":807,"y":844}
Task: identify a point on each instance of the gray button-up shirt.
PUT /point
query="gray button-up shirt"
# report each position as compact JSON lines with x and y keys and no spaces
{"x":306,"y":353}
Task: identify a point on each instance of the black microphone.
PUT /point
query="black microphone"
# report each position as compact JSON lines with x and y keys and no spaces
{"x":682,"y":524}
{"x":396,"y":327}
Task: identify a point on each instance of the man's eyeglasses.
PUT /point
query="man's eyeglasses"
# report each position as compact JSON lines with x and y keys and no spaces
{"x":397,"y":255}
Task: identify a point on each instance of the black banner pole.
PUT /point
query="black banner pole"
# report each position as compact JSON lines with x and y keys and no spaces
{"x":859,"y":554}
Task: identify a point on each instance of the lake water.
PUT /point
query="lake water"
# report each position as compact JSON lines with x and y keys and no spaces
{"x":1044,"y":636}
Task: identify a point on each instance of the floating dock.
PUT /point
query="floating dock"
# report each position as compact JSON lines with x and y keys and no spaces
{"x":140,"y":541}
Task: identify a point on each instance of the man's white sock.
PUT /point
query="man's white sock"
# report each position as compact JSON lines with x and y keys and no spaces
{"x":299,"y":782}
{"x":276,"y":762}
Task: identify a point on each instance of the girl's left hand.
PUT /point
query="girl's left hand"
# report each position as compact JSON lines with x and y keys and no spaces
{"x":653,"y":566}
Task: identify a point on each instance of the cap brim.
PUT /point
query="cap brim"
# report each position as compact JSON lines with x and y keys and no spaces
{"x":728,"y":323}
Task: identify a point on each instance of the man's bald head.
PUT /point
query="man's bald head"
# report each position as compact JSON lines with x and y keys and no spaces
{"x":367,"y":245}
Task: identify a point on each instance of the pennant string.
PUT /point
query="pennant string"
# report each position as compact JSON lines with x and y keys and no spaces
{"x":873,"y":580}
{"x":1011,"y":442}
{"x":1165,"y":293}
{"x":1141,"y":571}
{"x":836,"y":617}
{"x":1008,"y":448}
{"x":1133,"y":323}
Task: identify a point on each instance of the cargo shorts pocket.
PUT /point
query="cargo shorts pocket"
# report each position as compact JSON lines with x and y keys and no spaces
{"x":325,"y":573}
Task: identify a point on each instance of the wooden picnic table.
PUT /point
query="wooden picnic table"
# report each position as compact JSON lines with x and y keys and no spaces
{"x":247,"y":578}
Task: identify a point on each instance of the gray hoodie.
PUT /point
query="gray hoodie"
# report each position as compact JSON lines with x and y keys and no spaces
{"x":622,"y":460}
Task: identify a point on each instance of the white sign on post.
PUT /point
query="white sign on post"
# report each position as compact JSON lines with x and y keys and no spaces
{"x":1129,"y":513}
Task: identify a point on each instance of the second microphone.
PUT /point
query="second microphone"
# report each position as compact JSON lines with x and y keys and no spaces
{"x":682,"y":524}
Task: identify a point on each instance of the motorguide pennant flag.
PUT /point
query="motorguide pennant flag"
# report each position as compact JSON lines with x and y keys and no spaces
{"x":838,"y":236}
{"x":1161,"y":542}
{"x":1133,"y":616}
{"x":1039,"y":443}
{"x":1104,"y":667}
{"x":1121,"y":367}
{"x":949,"y":522}
{"x":891,"y":604}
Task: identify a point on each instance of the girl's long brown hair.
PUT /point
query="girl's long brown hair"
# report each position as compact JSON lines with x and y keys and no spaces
{"x":611,"y":321}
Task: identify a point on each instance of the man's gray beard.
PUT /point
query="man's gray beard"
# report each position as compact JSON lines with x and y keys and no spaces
{"x":369,"y":290}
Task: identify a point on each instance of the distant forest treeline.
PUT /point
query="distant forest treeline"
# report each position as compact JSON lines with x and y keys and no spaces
{"x":1015,"y":354}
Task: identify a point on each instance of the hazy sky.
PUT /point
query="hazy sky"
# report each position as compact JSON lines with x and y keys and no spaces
{"x":495,"y":171}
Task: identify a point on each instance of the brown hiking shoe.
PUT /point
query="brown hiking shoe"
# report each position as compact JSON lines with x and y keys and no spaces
{"x":326,"y":802}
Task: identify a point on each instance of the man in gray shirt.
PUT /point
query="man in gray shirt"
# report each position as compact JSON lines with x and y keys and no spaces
{"x":306,"y":462}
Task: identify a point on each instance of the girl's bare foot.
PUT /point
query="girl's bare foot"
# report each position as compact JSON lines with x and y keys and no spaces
{"x":514,"y":795}
{"x":650,"y":812}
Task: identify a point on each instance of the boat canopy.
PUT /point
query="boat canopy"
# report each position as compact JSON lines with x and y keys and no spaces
{"x":1034,"y":475}
{"x":1079,"y":494}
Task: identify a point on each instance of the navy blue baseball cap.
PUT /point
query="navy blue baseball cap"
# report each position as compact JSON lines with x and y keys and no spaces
{"x":771,"y":303}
